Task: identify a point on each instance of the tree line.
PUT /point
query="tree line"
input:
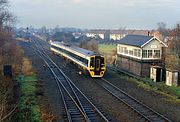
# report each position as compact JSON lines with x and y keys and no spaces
{"x":10,"y":54}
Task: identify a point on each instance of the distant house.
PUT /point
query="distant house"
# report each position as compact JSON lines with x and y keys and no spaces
{"x":96,"y":33}
{"x":116,"y":34}
{"x":137,"y":53}
{"x":119,"y":34}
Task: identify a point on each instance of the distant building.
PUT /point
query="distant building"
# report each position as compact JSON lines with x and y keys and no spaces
{"x":137,"y":53}
{"x":107,"y":35}
{"x":96,"y":33}
{"x":77,"y":35}
{"x":116,"y":34}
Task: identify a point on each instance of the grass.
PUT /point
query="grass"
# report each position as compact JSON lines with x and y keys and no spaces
{"x":104,"y":48}
{"x":29,"y":110}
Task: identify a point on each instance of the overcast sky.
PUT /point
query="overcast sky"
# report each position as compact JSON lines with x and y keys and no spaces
{"x":113,"y":14}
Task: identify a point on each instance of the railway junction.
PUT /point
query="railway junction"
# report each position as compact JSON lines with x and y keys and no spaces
{"x":75,"y":97}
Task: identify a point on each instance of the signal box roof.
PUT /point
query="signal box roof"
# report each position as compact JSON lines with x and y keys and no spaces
{"x":138,"y":40}
{"x":135,"y":40}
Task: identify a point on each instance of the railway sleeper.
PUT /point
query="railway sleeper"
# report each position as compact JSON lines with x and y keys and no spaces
{"x":148,"y":113}
{"x":144,"y":111}
{"x":138,"y":106}
{"x":74,"y":115}
{"x":87,"y":108}
{"x":92,"y":117}
{"x":77,"y":119}
{"x":122,"y":96}
{"x":125,"y":98}
{"x":90,"y":112}
{"x":155,"y":118}
{"x":73,"y":110}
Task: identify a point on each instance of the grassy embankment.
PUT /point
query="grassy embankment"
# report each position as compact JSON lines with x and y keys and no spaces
{"x":28,"y":109}
{"x":171,"y":91}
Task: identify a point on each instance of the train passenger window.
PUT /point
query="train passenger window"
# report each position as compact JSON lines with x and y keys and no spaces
{"x":92,"y":62}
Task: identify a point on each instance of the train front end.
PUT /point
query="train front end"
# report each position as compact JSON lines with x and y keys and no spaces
{"x":97,"y":66}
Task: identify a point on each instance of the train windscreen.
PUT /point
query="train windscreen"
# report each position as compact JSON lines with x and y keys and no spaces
{"x":97,"y":66}
{"x":102,"y":62}
{"x":92,"y":62}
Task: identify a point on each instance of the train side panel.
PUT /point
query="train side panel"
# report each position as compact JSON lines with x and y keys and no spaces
{"x":69,"y":57}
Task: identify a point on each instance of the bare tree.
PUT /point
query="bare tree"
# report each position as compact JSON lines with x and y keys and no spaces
{"x":162,"y":29}
{"x":7,"y":55}
{"x":174,"y":42}
{"x":172,"y":58}
{"x":89,"y":45}
{"x":7,"y":19}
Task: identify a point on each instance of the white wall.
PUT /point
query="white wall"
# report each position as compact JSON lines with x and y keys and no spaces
{"x":132,"y":48}
{"x":117,"y":36}
{"x":95,"y":34}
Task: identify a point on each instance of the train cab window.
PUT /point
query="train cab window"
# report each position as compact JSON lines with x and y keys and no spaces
{"x":92,"y":62}
{"x":102,"y":60}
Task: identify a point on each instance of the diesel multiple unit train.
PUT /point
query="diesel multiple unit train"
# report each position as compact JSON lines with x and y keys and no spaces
{"x":90,"y":61}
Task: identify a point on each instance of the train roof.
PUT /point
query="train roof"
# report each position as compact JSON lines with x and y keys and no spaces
{"x":76,"y":49}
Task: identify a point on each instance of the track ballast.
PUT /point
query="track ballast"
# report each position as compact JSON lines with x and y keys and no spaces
{"x":143,"y":111}
{"x":78,"y":107}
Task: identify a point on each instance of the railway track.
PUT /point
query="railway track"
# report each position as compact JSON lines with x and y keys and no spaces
{"x":78,"y":107}
{"x":143,"y":111}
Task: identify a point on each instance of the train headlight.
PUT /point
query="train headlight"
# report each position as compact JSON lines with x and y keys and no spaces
{"x":80,"y":73}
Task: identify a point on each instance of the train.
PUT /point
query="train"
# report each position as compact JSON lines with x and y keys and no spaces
{"x":92,"y":62}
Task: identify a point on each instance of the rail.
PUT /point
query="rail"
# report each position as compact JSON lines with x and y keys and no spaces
{"x":82,"y":108}
{"x":143,"y":110}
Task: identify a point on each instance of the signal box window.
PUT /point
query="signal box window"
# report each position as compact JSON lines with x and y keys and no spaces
{"x":156,"y":53}
{"x":149,"y":53}
{"x":144,"y":53}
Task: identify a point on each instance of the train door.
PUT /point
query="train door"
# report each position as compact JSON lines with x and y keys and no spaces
{"x":97,"y":68}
